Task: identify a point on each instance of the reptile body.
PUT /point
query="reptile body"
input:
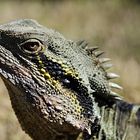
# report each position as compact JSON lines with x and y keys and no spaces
{"x":59,"y":89}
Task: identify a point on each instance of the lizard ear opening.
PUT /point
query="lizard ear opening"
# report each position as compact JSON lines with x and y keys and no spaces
{"x":31,"y":46}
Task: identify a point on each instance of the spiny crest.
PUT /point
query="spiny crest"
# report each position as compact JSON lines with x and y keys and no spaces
{"x":82,"y":43}
{"x":105,"y":65}
{"x":93,"y":51}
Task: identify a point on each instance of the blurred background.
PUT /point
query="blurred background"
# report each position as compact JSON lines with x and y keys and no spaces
{"x":113,"y":25}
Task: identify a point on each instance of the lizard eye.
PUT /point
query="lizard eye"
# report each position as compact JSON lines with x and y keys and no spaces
{"x":31,"y":46}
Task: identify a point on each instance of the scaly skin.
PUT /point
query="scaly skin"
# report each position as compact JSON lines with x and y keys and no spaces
{"x":59,"y":88}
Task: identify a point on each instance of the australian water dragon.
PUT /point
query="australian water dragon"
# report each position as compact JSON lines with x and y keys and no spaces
{"x":59,"y":89}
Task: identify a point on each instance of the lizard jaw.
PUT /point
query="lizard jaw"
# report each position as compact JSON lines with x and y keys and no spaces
{"x":10,"y":67}
{"x":14,"y":74}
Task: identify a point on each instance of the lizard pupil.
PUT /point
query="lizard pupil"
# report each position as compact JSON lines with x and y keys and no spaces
{"x":31,"y":46}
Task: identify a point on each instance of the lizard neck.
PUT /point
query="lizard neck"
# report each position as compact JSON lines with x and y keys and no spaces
{"x":121,"y":122}
{"x":127,"y":121}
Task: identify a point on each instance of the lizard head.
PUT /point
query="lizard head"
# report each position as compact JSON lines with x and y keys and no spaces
{"x":60,"y":78}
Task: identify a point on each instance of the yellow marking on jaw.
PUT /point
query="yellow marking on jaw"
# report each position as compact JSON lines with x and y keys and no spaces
{"x":40,"y":62}
{"x":54,"y":60}
{"x":54,"y":82}
{"x":47,"y":75}
{"x":68,"y":71}
{"x":65,"y":67}
{"x":74,"y":101}
{"x":42,"y":70}
{"x":72,"y":73}
{"x":76,"y":74}
{"x":60,"y":62}
{"x":57,"y":85}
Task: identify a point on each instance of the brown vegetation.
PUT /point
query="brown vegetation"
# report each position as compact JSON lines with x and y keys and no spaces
{"x":113,"y":25}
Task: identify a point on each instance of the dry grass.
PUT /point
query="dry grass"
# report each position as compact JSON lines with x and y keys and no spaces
{"x":111,"y":24}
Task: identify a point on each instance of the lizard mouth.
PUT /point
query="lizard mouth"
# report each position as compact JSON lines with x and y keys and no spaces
{"x":12,"y":72}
